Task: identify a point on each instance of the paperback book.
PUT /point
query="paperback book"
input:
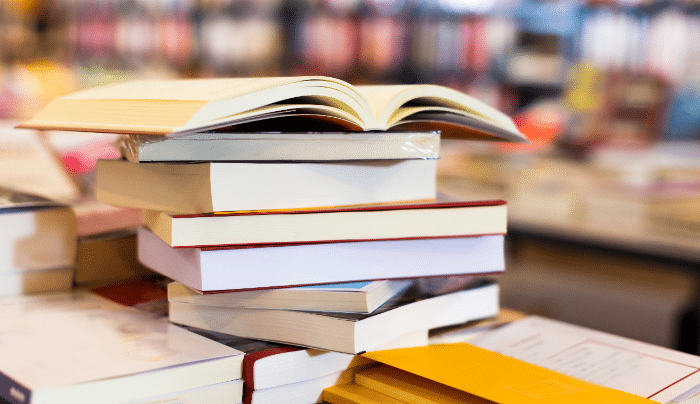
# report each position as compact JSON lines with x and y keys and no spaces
{"x":346,"y":332}
{"x":242,"y":267}
{"x":195,"y":188}
{"x":278,"y":146}
{"x":358,"y":297}
{"x":79,"y":348}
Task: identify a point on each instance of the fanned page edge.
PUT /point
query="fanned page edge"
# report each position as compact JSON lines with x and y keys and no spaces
{"x":389,"y":112}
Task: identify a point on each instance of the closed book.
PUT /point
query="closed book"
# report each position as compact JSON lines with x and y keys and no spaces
{"x":211,"y":270}
{"x":257,"y":146}
{"x":37,"y":233}
{"x":346,"y":332}
{"x":194,"y":188}
{"x":81,"y":348}
{"x":358,"y":223}
{"x":267,"y":365}
{"x":36,"y":281}
{"x":497,"y":378}
{"x":353,"y":297}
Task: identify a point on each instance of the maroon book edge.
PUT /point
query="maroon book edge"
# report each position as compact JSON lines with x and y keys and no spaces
{"x":250,"y":359}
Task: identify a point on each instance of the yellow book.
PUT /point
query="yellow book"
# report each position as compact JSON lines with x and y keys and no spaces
{"x":497,"y":377}
{"x":168,"y":107}
{"x":354,"y":394}
{"x":412,"y":389}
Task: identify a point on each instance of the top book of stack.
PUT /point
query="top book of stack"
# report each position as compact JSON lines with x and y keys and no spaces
{"x":315,"y":104}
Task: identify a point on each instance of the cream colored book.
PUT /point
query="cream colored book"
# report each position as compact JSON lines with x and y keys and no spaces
{"x":178,"y":107}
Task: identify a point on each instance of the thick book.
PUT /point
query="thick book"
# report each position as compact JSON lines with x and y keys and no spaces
{"x":334,"y":224}
{"x":268,"y":365}
{"x":254,"y":146}
{"x":176,"y":107}
{"x":498,"y":378}
{"x":212,"y":270}
{"x":352,"y":297}
{"x":220,"y":393}
{"x":37,"y":233}
{"x":80,"y":348}
{"x":346,"y":332}
{"x":193,"y":188}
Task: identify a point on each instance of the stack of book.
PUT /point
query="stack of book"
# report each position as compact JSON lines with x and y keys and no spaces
{"x":260,"y":200}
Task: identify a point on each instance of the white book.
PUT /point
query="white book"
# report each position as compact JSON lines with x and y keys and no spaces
{"x":80,"y":348}
{"x":306,"y":264}
{"x":220,"y":393}
{"x":268,"y":365}
{"x":193,"y":188}
{"x":345,"y":332}
{"x":36,"y":281}
{"x":353,"y":297}
{"x":645,"y":370}
{"x":37,"y":233}
{"x":303,"y":392}
{"x":256,"y":146}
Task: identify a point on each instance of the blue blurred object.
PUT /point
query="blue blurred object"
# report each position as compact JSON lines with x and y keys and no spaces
{"x":683,"y":122}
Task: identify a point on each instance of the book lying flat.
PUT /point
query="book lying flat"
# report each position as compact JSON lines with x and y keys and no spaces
{"x":498,"y":378}
{"x":345,"y":332}
{"x":409,"y":388}
{"x":356,"y":223}
{"x":221,"y":186}
{"x":37,"y":233}
{"x":232,"y":146}
{"x":175,"y":107}
{"x":267,"y":365}
{"x":645,"y":370}
{"x":220,"y":393}
{"x":80,"y":348}
{"x":306,"y":391}
{"x":13,"y":283}
{"x":354,"y":297}
{"x":216,"y":270}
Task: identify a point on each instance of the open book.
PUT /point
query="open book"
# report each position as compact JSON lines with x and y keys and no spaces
{"x":175,"y":107}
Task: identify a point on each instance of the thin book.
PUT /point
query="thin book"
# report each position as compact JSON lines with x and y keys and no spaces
{"x":281,"y":146}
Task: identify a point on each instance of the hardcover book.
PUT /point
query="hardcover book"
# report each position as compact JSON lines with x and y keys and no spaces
{"x":356,"y":223}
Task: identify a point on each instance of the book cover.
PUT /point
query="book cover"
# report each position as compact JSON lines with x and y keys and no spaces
{"x":115,"y":353}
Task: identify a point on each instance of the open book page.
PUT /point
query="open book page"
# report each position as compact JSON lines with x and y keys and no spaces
{"x":642,"y":369}
{"x":387,"y":101}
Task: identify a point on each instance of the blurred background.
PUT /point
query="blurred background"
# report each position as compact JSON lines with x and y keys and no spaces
{"x":604,"y":205}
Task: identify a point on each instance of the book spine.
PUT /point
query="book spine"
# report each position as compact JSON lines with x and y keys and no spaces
{"x":13,"y":392}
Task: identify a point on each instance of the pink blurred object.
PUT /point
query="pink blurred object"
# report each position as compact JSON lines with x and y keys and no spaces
{"x":84,"y":158}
